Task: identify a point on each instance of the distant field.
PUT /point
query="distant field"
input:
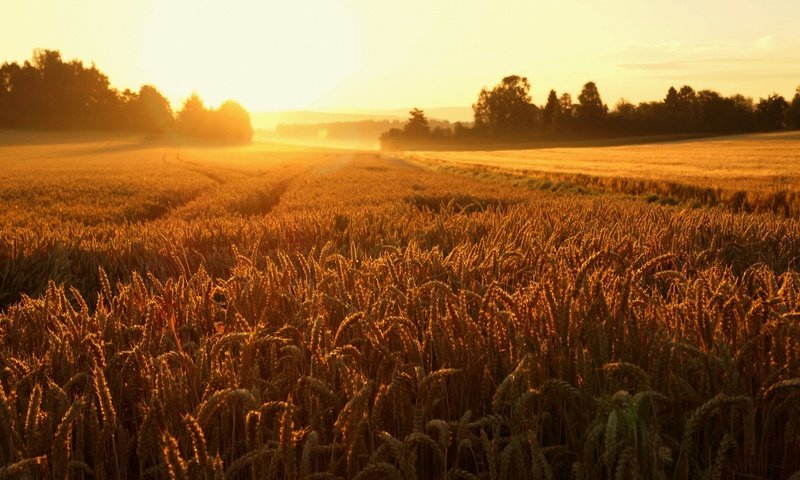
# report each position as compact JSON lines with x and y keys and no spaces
{"x":270,"y":312}
{"x":93,"y":178}
{"x":751,"y":173}
{"x":761,"y":161}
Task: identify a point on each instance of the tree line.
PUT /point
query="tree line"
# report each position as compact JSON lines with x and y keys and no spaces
{"x":506,"y":114}
{"x":48,"y":93}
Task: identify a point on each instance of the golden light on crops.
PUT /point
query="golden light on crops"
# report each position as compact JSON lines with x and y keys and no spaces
{"x":564,"y":292}
{"x":259,"y":313}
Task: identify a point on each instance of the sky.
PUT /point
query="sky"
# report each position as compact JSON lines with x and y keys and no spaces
{"x":345,"y":55}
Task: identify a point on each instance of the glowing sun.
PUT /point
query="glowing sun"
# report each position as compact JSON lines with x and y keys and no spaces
{"x":267,"y":55}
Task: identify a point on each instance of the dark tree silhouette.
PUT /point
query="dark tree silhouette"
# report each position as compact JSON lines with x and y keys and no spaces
{"x":567,"y":107}
{"x":462,"y":132}
{"x":623,"y":118}
{"x":417,"y":125}
{"x":718,"y":114}
{"x":506,"y":111}
{"x":771,"y":112}
{"x":551,"y":113}
{"x":675,"y":114}
{"x":684,"y":110}
{"x":590,"y":110}
{"x":625,"y":109}
{"x":5,"y":95}
{"x":687,"y":95}
{"x":49,"y":93}
{"x":415,"y":132}
{"x":73,"y":96}
{"x":793,"y":112}
{"x":672,"y":100}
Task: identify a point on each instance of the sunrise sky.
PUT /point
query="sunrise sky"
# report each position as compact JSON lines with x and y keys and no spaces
{"x":375,"y":54}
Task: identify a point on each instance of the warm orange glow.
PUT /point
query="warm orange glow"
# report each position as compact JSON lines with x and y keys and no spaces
{"x":345,"y":54}
{"x":267,"y":55}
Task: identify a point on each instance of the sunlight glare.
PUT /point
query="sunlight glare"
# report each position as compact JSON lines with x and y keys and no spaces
{"x":268,"y":56}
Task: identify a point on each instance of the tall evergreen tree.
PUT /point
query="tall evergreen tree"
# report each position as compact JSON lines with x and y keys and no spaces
{"x":551,"y":114}
{"x":417,"y":125}
{"x":591,"y":109}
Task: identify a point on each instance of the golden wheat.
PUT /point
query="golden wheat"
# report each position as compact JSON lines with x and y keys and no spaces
{"x":277,"y":319}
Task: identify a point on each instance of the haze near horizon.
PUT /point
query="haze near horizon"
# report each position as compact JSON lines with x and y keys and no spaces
{"x":345,"y":55}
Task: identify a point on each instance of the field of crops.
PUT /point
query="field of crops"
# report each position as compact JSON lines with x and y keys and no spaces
{"x":265,"y":312}
{"x":749,"y":173}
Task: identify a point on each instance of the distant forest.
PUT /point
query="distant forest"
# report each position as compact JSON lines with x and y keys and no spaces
{"x":505,"y":114}
{"x":47,"y":93}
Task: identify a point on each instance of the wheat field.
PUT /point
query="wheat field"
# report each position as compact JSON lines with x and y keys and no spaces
{"x":174,"y":311}
{"x":755,"y":172}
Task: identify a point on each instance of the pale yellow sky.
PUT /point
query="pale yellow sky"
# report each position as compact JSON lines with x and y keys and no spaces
{"x":375,"y":54}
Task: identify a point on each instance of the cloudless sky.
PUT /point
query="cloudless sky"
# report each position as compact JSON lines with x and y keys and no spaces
{"x":375,"y":54}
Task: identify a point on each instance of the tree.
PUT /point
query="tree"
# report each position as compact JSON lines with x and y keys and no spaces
{"x":625,"y":108}
{"x":741,"y":114}
{"x":417,"y":125}
{"x":672,"y":100}
{"x":551,"y":114}
{"x":591,"y":110}
{"x":231,"y":122}
{"x":771,"y":112}
{"x":686,"y":96}
{"x":462,"y":132}
{"x":192,"y":119}
{"x":152,"y":111}
{"x":415,"y":132}
{"x":623,"y":119}
{"x":567,"y":107}
{"x":677,"y":112}
{"x":793,"y":112}
{"x":49,"y":93}
{"x":719,"y":114}
{"x":6,"y":112}
{"x":506,"y":111}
